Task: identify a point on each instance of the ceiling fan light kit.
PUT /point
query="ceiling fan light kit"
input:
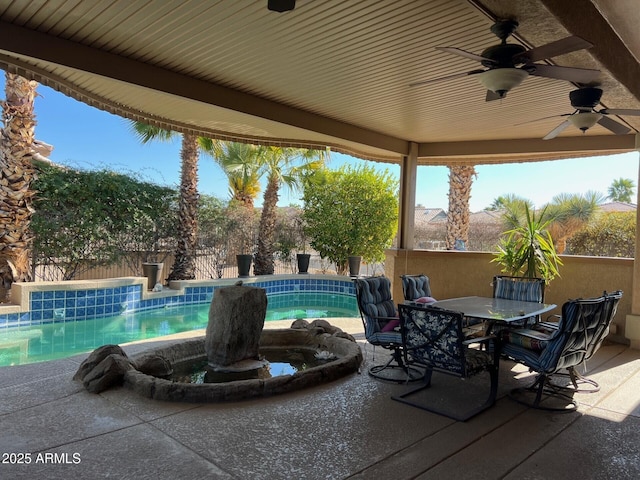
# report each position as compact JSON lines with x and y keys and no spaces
{"x":585,"y":116}
{"x":501,"y":80}
{"x":585,"y":120}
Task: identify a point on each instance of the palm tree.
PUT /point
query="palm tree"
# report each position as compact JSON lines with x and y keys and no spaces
{"x":184,"y":266}
{"x":514,"y":209}
{"x":242,"y":165}
{"x":568,"y":213}
{"x":283,"y":166}
{"x":505,"y":202}
{"x":621,"y":190}
{"x":460,"y":181}
{"x":16,"y":176}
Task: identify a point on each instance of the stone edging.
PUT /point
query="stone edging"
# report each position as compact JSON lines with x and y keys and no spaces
{"x":345,"y":348}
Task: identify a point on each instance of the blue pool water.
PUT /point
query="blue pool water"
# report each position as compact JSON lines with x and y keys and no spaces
{"x":49,"y":341}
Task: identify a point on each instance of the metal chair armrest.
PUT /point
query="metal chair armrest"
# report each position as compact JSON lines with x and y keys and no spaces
{"x":382,"y":321}
{"x":479,"y":339}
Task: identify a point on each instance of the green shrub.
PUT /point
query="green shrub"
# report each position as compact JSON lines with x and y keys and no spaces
{"x":610,"y":235}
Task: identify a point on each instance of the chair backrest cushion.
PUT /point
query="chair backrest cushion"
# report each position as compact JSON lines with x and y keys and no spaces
{"x":518,"y":288}
{"x":433,"y":337}
{"x":602,"y":329}
{"x":415,"y":286}
{"x":579,"y":330}
{"x":374,"y":301}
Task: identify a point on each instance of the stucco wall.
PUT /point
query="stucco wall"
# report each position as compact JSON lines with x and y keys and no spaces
{"x":459,"y":274}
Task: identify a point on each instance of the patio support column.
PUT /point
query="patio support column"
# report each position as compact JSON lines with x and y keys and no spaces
{"x":632,"y":325}
{"x":408,"y":173}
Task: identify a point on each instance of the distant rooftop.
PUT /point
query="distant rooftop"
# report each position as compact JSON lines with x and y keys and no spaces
{"x":426,"y":215}
{"x":618,"y":207}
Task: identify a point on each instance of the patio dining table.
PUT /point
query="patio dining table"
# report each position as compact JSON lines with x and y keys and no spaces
{"x":494,"y":309}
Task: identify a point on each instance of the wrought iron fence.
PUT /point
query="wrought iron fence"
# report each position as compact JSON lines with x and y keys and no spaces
{"x":210,"y":264}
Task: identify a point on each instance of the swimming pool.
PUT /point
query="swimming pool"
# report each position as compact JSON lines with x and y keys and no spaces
{"x":50,"y":341}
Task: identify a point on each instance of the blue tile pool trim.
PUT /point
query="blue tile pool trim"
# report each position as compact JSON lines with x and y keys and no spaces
{"x":76,"y":305}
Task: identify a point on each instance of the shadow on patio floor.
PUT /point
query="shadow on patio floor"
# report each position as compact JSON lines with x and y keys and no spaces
{"x":346,"y":429}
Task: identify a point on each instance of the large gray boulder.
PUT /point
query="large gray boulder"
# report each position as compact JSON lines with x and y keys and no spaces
{"x":97,"y":356}
{"x":108,"y":373}
{"x":236,"y":320}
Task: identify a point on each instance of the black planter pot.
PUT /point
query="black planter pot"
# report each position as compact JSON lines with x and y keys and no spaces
{"x":303,"y":262}
{"x":354,"y":265}
{"x":153,"y":272}
{"x":244,"y":264}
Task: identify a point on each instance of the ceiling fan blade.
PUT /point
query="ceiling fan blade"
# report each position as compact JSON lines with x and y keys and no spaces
{"x":556,"y":131}
{"x":543,"y":118}
{"x":553,"y":49}
{"x":447,"y":77}
{"x":464,"y":53}
{"x":612,"y":125}
{"x":491,"y":95}
{"x":570,"y":74}
{"x":620,"y":111}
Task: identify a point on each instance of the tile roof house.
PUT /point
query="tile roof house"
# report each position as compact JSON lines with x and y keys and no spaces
{"x":618,"y":207}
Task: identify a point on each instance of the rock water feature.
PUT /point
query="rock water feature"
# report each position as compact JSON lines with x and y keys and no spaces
{"x":232,"y":355}
{"x":232,"y":341}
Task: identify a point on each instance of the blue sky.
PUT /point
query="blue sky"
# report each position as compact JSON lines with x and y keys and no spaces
{"x":88,"y":138}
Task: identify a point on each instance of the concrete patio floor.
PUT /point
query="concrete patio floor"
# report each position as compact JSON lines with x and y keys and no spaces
{"x":350,"y":428}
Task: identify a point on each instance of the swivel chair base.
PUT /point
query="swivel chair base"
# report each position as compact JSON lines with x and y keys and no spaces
{"x":544,"y":395}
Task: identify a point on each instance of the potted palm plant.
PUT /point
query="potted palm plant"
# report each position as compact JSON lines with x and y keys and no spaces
{"x":527,"y":249}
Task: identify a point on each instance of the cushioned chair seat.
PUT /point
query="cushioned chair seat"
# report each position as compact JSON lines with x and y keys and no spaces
{"x":526,"y":337}
{"x":380,"y":338}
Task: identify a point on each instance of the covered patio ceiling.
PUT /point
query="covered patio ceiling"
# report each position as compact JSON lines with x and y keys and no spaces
{"x":331,"y":72}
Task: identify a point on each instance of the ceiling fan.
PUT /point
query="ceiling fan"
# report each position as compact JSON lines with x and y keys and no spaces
{"x":585,"y":116}
{"x":281,"y":6}
{"x":508,"y":64}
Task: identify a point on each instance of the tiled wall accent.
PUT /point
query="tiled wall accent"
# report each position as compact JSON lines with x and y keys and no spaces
{"x":274,"y":287}
{"x":339,"y":302}
{"x":75,"y":305}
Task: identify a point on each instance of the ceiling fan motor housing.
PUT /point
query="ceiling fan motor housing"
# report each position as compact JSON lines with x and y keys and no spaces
{"x":585,"y":98}
{"x":503,"y":28}
{"x":502,"y":56}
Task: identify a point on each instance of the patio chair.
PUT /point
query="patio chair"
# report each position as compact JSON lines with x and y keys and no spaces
{"x":582,"y":327}
{"x":382,"y":328}
{"x":517,"y":288}
{"x":415,"y":287}
{"x":433,"y":338}
{"x":600,"y":333}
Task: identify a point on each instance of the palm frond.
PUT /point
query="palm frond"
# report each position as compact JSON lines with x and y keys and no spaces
{"x":146,"y":133}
